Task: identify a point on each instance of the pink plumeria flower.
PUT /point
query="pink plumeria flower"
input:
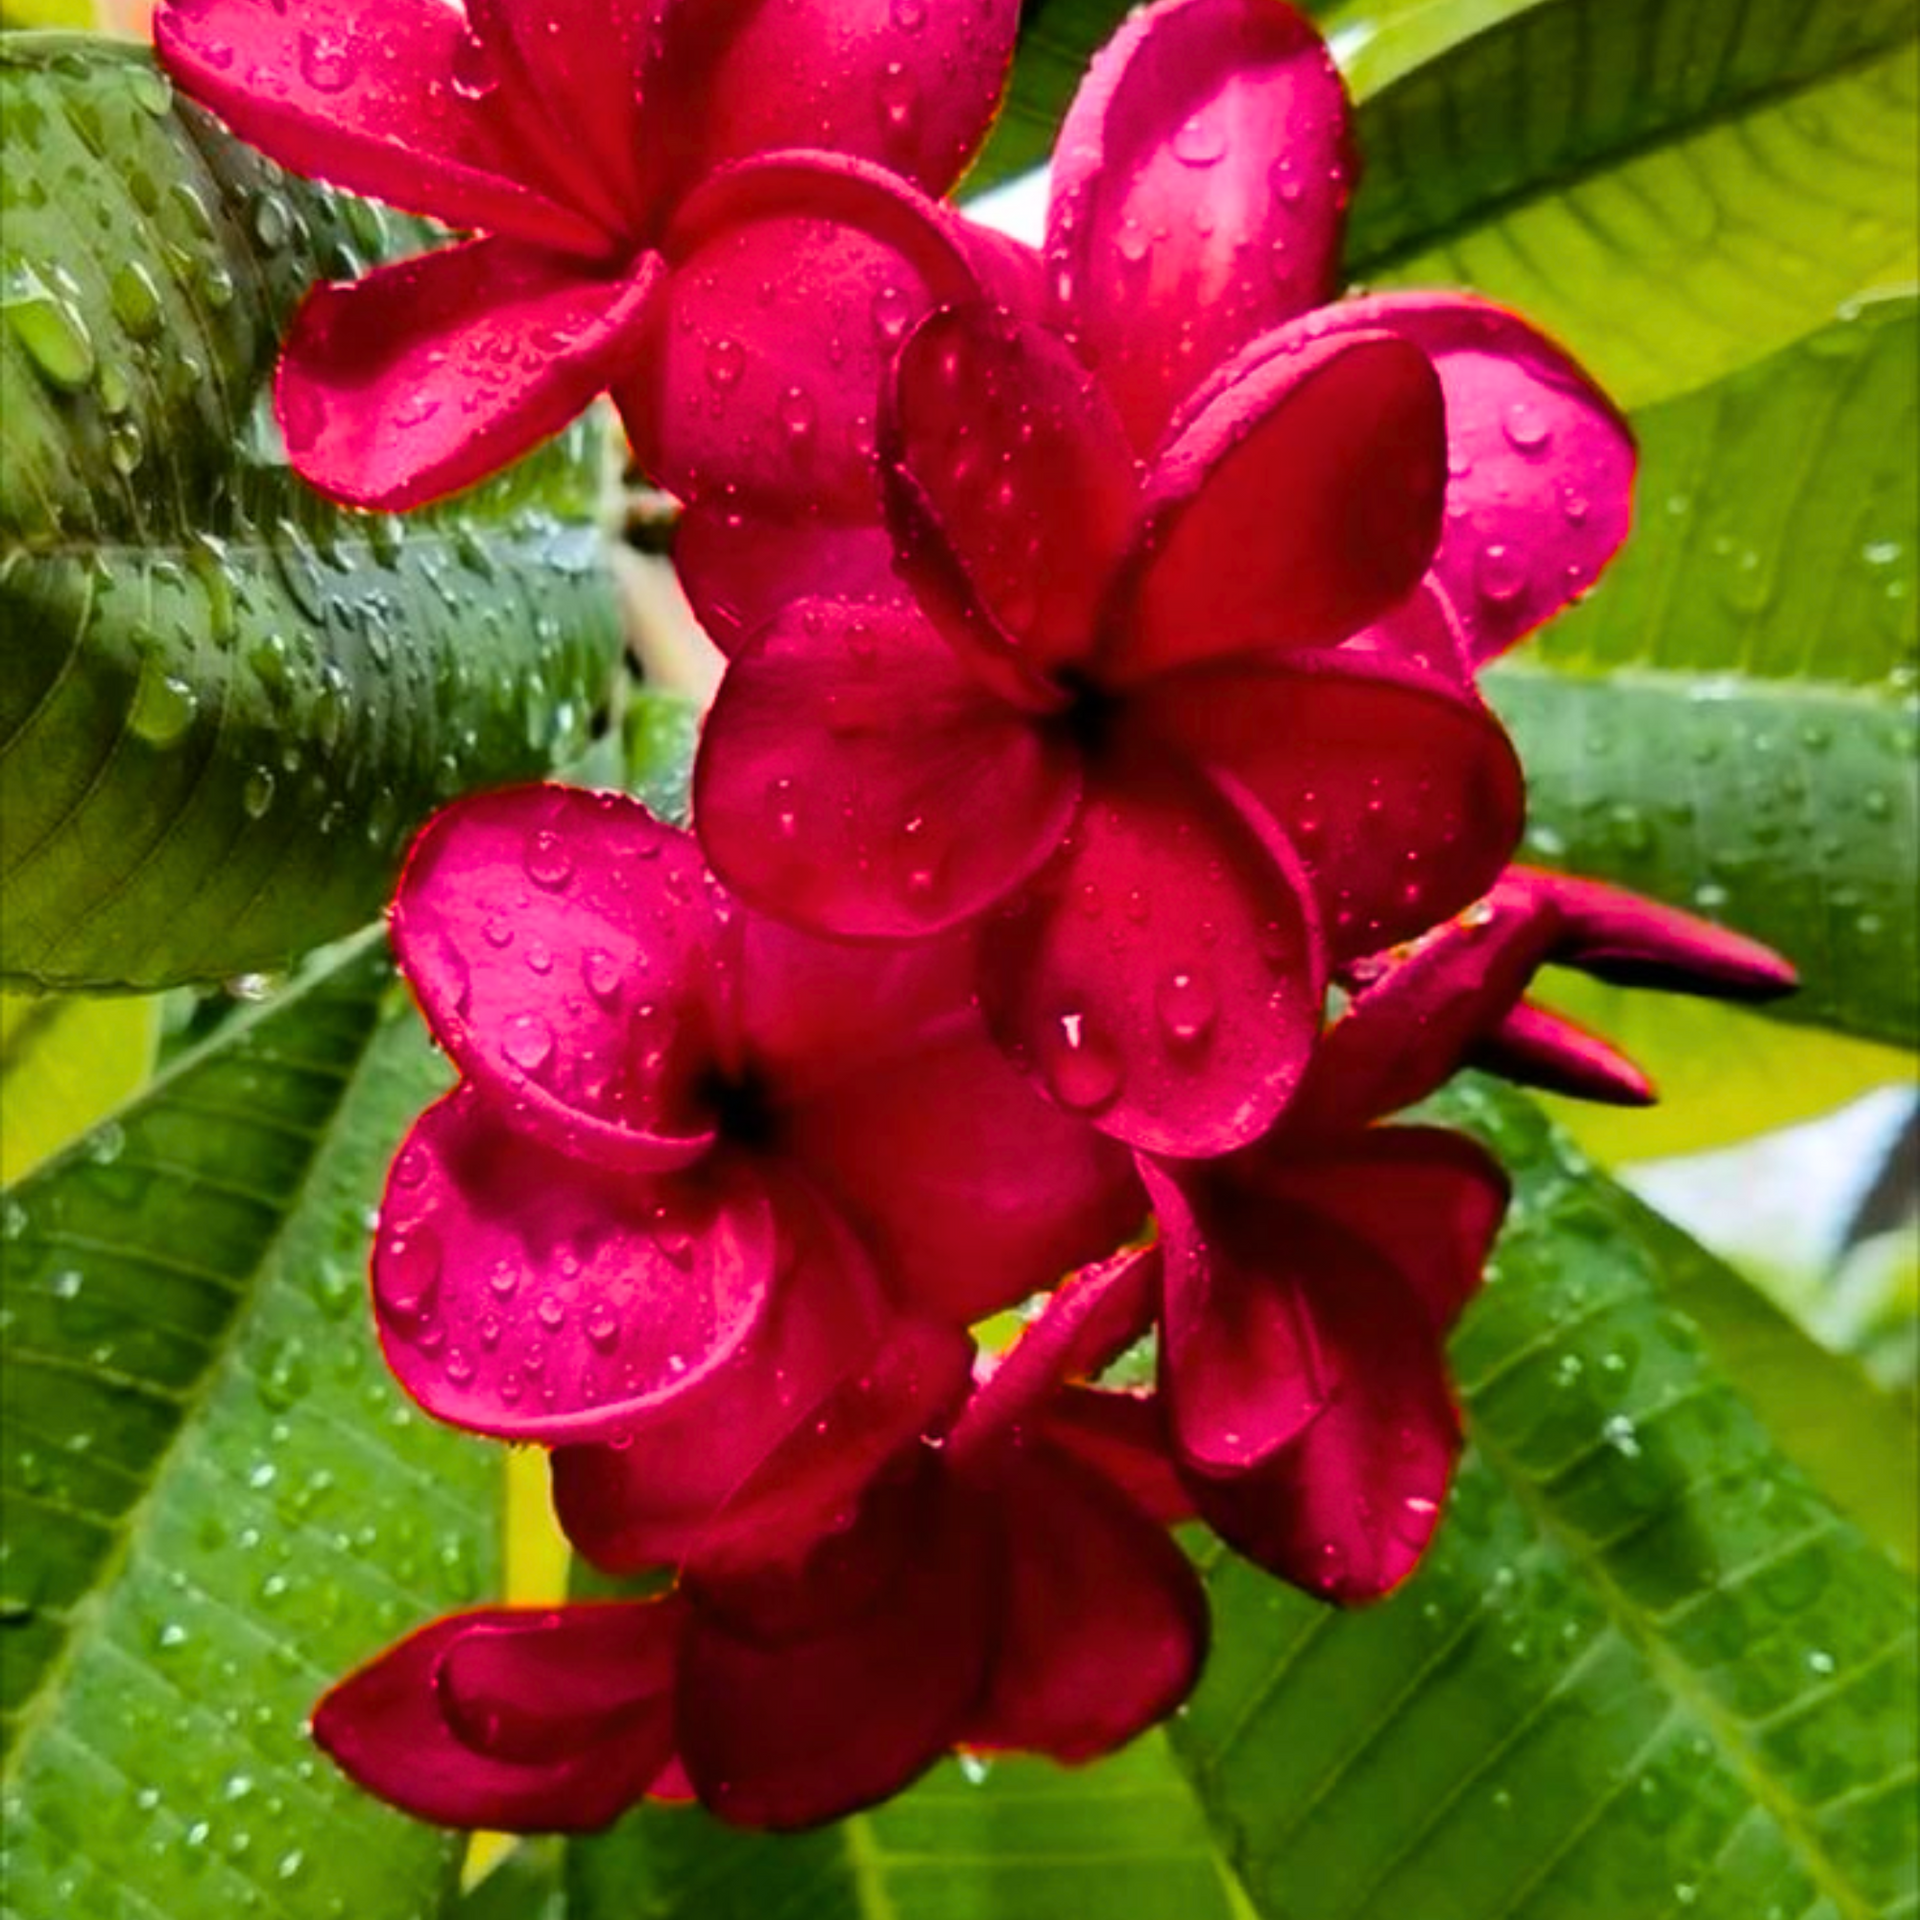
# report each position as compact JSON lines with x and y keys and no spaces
{"x":695,"y":1160}
{"x":632,"y":169}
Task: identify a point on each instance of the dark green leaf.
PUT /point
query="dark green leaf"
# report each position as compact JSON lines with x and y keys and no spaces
{"x":228,"y":703}
{"x":1648,"y":1669}
{"x":1729,"y":722}
{"x":1022,"y":1841}
{"x":216,"y":1500}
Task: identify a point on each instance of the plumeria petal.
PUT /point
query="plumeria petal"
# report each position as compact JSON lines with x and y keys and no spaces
{"x":1536,"y":1047}
{"x":793,"y":280}
{"x":1347,"y":1509}
{"x":1123,"y":1437}
{"x":1200,"y":188}
{"x":564,"y":946}
{"x":976,"y":1190}
{"x":830,"y":1385}
{"x":1402,"y":797}
{"x":739,"y":569}
{"x":908,"y":84}
{"x":539,"y":1298}
{"x":990,"y":426}
{"x":1164,"y":976}
{"x":1540,"y":461}
{"x":1449,"y":1196}
{"x":1301,"y":504}
{"x":427,"y":375}
{"x":887,"y":1654}
{"x":1240,"y":1365}
{"x":1103,"y":1626}
{"x":854,"y":778}
{"x":394,"y":100}
{"x":529,"y":1721}
{"x":1424,"y":632}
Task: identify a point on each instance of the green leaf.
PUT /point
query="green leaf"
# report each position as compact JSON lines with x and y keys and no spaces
{"x":1673,"y":187}
{"x":1021,"y":1840}
{"x":64,"y":1061}
{"x":227,"y":702}
{"x":216,"y":1500}
{"x":1648,"y":1669}
{"x":1729,"y":722}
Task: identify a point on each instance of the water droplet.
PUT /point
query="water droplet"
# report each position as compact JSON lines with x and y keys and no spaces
{"x":899,"y":98}
{"x":602,"y":974}
{"x":1500,"y":573}
{"x":909,"y":15}
{"x":503,"y":1279}
{"x":726,"y":362}
{"x":1198,"y":141}
{"x":126,"y":447}
{"x":459,"y":1367}
{"x":1081,"y":1066}
{"x":257,"y":795}
{"x":1528,"y":430}
{"x":472,"y":76}
{"x":406,"y":1274}
{"x":603,"y":1326}
{"x":1187,"y":1006}
{"x":1620,"y":1435}
{"x":892,"y":313}
{"x":798,"y":414}
{"x":163,"y":706}
{"x":135,"y":300}
{"x":49,"y":327}
{"x":328,"y":61}
{"x":528,"y":1042}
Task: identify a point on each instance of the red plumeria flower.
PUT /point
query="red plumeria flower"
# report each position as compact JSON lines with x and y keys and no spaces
{"x":622,"y":165}
{"x":692,"y":1153}
{"x":1199,"y":195}
{"x":1131,"y":724}
{"x":1013,"y":1587}
{"x":1309,"y":1281}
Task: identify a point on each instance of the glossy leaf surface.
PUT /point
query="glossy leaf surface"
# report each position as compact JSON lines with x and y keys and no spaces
{"x":227,"y":703}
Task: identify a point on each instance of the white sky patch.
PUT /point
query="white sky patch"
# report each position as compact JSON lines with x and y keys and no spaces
{"x":1016,"y":207}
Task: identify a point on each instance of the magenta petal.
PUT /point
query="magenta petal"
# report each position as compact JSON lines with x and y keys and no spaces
{"x":910,"y":84}
{"x":889,"y":1656}
{"x":1103,"y":1628}
{"x":1348,"y":1508}
{"x":1421,"y":632}
{"x":525,"y":1721}
{"x":828,"y":1387}
{"x":357,"y":94}
{"x":975,"y":1190}
{"x":1301,"y":504}
{"x":1540,"y":462}
{"x":1448,"y":1197}
{"x":991,"y":425}
{"x":1200,"y":187}
{"x":537,"y":1298}
{"x":1239,"y":1361}
{"x":1537,"y":1047}
{"x":1164,"y":976}
{"x":1123,"y":1437}
{"x":1402,"y":797}
{"x":855,"y":779}
{"x":739,"y":569}
{"x":430,"y":374}
{"x":793,"y":280}
{"x":564,"y":946}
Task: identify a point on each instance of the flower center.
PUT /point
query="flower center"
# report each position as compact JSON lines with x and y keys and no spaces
{"x":1090,"y":713}
{"x":742,"y":1106}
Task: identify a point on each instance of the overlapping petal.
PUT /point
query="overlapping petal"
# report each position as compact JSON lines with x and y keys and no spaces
{"x":1301,"y":504}
{"x":1200,"y":186}
{"x":854,"y":778}
{"x":567,"y":950}
{"x":529,"y":1721}
{"x":396,"y":100}
{"x":432,"y":372}
{"x":1540,"y":462}
{"x":1164,"y":975}
{"x":1402,"y":797}
{"x":991,"y":429}
{"x":1103,"y":1624}
{"x":908,"y":84}
{"x":536,"y":1297}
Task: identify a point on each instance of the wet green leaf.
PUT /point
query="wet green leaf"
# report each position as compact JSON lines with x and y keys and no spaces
{"x":216,"y":1499}
{"x":228,"y":703}
{"x":1729,"y":722}
{"x":64,"y":1062}
{"x":1649,"y":1668}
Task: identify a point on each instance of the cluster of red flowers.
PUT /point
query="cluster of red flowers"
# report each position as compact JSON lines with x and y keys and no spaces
{"x":1099,"y":835}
